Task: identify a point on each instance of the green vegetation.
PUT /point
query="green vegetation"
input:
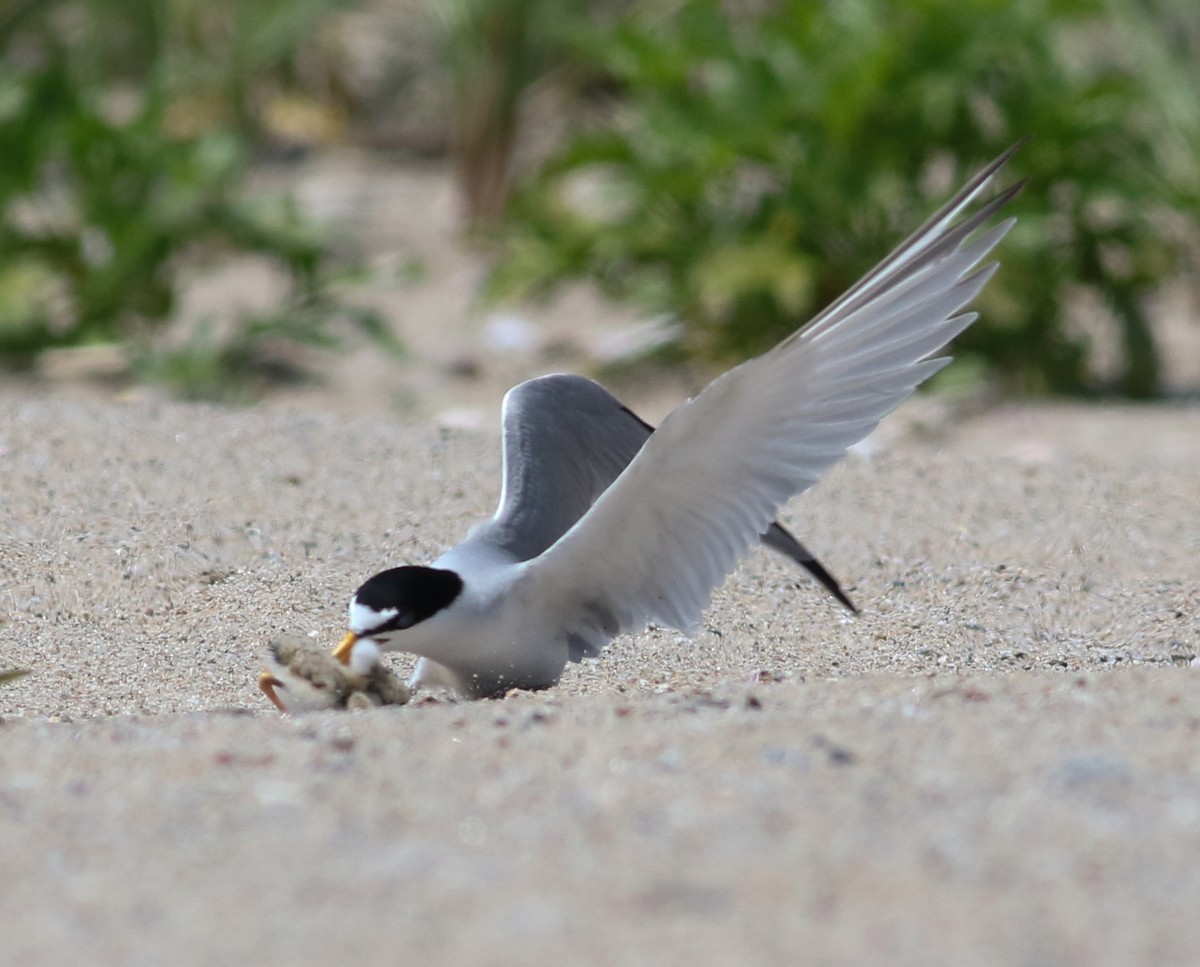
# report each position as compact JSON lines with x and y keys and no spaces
{"x":124,"y":159}
{"x":749,"y":161}
{"x":734,"y":165}
{"x":495,"y":52}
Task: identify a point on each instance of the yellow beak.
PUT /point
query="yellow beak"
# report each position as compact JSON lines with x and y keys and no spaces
{"x":342,"y":651}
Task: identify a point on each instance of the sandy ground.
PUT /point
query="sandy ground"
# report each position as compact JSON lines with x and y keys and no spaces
{"x":998,"y":762}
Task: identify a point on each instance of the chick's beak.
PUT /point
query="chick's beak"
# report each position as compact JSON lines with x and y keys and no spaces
{"x":342,"y":651}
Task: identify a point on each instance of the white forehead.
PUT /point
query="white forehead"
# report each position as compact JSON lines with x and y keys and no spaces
{"x":364,"y":618}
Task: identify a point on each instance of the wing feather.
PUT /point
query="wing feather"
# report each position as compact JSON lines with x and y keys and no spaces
{"x":710,"y":480}
{"x":566,"y":439}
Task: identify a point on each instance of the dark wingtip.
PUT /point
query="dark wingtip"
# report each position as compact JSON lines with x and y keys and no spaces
{"x":782,"y":541}
{"x":829,"y":582}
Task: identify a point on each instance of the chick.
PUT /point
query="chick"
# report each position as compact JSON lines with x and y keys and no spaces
{"x":303,"y":677}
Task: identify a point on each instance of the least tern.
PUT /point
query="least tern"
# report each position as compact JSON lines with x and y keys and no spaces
{"x":606,"y":525}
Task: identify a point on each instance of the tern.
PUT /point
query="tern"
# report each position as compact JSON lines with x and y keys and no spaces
{"x":606,"y":525}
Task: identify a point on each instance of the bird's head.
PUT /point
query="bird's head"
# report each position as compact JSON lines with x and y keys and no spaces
{"x":395,"y":600}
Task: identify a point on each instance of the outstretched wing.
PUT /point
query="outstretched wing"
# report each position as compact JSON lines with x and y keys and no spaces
{"x":566,"y":439}
{"x":713,"y":476}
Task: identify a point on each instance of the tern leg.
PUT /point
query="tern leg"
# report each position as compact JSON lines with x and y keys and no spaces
{"x":430,"y":675}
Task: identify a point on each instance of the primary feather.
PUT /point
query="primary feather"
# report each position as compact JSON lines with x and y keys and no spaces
{"x":719,"y":468}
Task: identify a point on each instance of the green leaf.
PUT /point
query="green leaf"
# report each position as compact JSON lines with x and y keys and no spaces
{"x":763,"y":156}
{"x":726,"y":275}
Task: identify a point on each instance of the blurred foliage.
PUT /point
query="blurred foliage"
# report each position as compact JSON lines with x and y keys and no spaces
{"x":124,"y":160}
{"x":753,"y":159}
{"x":490,"y":47}
{"x":262,"y":350}
{"x":496,"y":50}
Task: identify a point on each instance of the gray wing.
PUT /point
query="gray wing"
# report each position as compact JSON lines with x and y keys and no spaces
{"x":566,"y":439}
{"x":700,"y":492}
